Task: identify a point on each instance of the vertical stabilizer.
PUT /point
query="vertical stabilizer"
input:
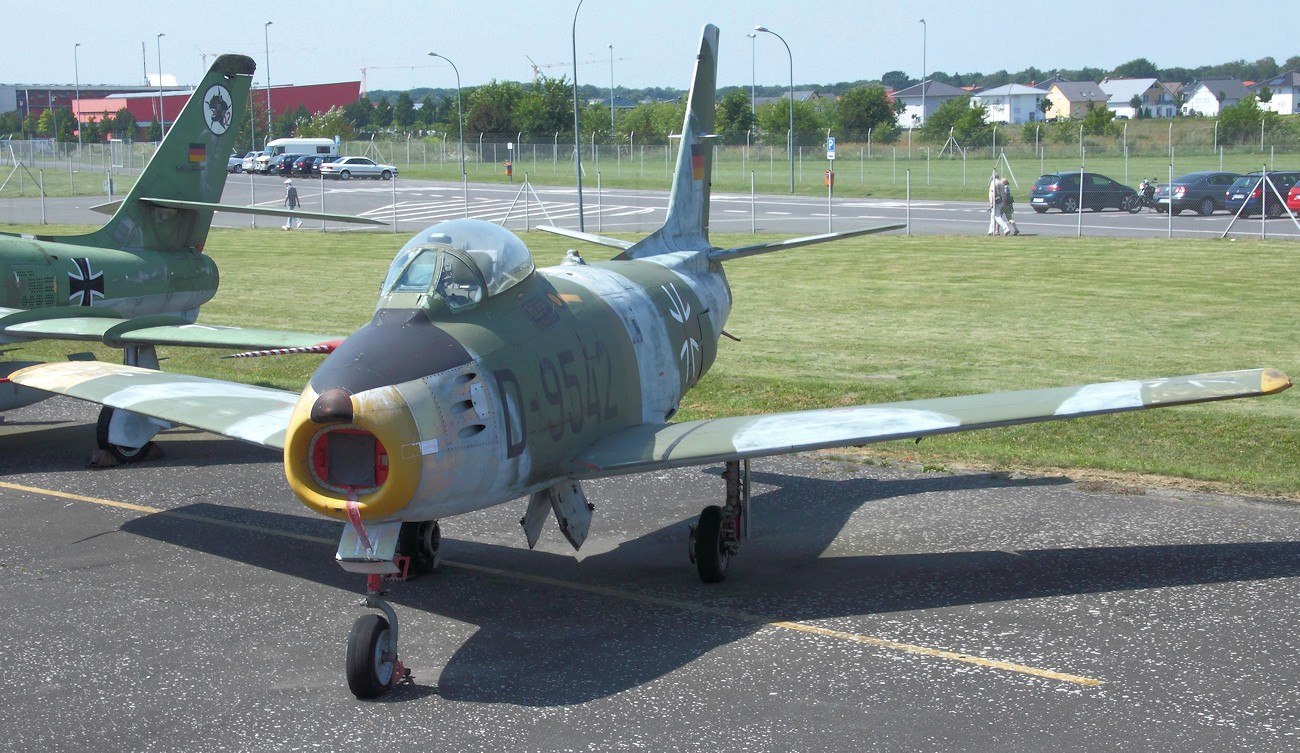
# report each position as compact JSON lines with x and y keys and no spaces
{"x":687,"y":226}
{"x":189,"y":165}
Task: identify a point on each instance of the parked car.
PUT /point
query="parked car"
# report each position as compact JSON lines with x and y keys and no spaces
{"x":1061,"y":191}
{"x":302,"y":165}
{"x":250,"y":161}
{"x":282,"y":165}
{"x":345,"y":168}
{"x":234,"y":163}
{"x":1293,"y":199}
{"x":1201,"y":192}
{"x":1247,"y":194}
{"x":321,"y":159}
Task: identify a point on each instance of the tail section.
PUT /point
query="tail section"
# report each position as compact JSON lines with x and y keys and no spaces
{"x":687,"y":225}
{"x":189,"y":166}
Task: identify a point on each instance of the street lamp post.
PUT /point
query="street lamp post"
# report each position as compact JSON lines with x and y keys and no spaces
{"x":161,"y":118}
{"x":460,"y":121}
{"x":753,"y":74}
{"x":790,"y":136}
{"x":611,"y":90}
{"x":266,"y":38}
{"x":577,"y":136}
{"x":76,"y":75}
{"x":924,"y":29}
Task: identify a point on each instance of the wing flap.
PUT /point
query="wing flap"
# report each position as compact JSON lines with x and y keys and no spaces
{"x":654,"y":447}
{"x":258,"y":415}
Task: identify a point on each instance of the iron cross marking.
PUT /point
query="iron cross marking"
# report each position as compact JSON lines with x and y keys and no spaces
{"x":84,"y":284}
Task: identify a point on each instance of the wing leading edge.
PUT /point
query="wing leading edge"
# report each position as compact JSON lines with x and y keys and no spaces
{"x":258,"y":415}
{"x":657,"y":446}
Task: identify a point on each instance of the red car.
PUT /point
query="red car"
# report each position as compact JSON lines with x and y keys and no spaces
{"x":1293,"y":198}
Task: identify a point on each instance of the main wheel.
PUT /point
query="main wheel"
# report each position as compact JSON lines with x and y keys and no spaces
{"x":1130,"y":204}
{"x":120,"y":453}
{"x":1040,"y":210}
{"x":421,"y":542}
{"x":386,"y":175}
{"x":345,"y":175}
{"x":1206,"y":208}
{"x":1070,"y":205}
{"x":710,"y":553}
{"x":369,"y":676}
{"x":1274,"y":210}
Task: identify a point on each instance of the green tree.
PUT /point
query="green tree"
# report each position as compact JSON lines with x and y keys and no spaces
{"x":734,"y":118}
{"x":651,"y":123}
{"x":66,"y":131}
{"x":382,"y":116}
{"x":1100,"y":121}
{"x":45,"y":124}
{"x":327,"y":125}
{"x":1264,"y":94}
{"x":404,"y":110}
{"x":155,"y":131}
{"x":11,"y":123}
{"x":1240,"y":123}
{"x":863,"y":109}
{"x":1136,"y":103}
{"x":91,"y":132}
{"x":546,"y":109}
{"x":896,"y":80}
{"x":774,"y":123}
{"x":1138,"y":68}
{"x":967,"y":122}
{"x":358,"y":113}
{"x":124,"y":125}
{"x":490,"y":108}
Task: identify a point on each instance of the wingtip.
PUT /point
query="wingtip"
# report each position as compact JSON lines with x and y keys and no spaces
{"x":1272,"y":381}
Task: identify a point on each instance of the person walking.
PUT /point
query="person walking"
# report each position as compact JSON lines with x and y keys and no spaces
{"x":291,"y":202}
{"x":997,"y":223}
{"x":1008,"y":207}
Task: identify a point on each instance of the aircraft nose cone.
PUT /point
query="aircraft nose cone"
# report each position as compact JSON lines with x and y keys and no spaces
{"x":332,"y":406}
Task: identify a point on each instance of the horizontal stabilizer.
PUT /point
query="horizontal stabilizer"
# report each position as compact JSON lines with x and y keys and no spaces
{"x":727,"y":254}
{"x":651,"y":447}
{"x":599,"y":240}
{"x":112,"y":207}
{"x":106,"y":326}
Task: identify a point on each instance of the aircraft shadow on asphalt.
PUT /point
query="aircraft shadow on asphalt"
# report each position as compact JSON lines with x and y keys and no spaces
{"x":625,"y":617}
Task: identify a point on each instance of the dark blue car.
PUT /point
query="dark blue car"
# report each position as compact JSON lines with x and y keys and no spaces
{"x":1061,"y":191}
{"x":1250,"y":190}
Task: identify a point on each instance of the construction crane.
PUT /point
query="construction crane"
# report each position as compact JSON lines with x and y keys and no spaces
{"x":567,"y":64}
{"x":365,"y":88}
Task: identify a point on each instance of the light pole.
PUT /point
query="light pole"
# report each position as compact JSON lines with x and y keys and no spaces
{"x":161,"y":117}
{"x":611,"y":90}
{"x":790,"y":137}
{"x":460,"y":121}
{"x":76,"y":76}
{"x":266,"y":38}
{"x":577,"y":142}
{"x":753,"y":74}
{"x":924,"y":29}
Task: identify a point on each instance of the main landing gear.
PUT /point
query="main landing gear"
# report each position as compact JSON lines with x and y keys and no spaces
{"x":390,"y":552}
{"x":716,"y":538}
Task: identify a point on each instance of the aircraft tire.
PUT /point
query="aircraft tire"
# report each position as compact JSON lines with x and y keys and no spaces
{"x":710,"y":555}
{"x":120,"y":453}
{"x":421,"y":542}
{"x":368,"y":675}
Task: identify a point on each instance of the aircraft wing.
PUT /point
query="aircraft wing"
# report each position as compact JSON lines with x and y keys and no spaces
{"x":258,"y":415}
{"x":112,"y":206}
{"x":106,"y":326}
{"x":657,"y":446}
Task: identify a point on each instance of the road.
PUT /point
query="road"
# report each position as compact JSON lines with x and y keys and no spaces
{"x":411,"y":205}
{"x":191,"y":603}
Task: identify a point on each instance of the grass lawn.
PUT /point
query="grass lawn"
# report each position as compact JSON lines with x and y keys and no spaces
{"x":889,"y":318}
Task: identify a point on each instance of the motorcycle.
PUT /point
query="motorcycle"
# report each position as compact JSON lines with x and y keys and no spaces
{"x":1145,"y":198}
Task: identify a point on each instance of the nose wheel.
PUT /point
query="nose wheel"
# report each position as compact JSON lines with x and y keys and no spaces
{"x":372,"y":664}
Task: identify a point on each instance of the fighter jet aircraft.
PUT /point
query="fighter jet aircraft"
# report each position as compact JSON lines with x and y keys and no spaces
{"x":482,"y":380}
{"x":139,"y":280}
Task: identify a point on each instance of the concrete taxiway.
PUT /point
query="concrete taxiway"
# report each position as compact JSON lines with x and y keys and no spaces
{"x":190,"y":603}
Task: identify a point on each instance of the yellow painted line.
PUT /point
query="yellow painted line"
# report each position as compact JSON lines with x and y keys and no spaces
{"x":614,"y":593}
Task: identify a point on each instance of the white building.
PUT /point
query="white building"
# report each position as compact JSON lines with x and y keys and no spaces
{"x":1154,"y":100}
{"x":1286,"y":93}
{"x":1013,"y":103}
{"x":911,"y":99}
{"x":1209,"y":96}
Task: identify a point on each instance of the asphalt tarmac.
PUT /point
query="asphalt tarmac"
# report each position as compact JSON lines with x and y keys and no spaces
{"x":190,"y":603}
{"x":412,"y":205}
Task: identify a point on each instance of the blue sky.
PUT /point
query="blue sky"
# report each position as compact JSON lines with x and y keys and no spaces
{"x":653,"y":41}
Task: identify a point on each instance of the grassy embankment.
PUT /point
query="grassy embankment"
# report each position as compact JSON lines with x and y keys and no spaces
{"x":890,"y":318}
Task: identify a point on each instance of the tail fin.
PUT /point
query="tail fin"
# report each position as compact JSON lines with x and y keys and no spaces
{"x":190,"y":165}
{"x":687,"y":225}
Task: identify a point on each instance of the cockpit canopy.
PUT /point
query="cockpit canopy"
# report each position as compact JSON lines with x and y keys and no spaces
{"x":459,"y":262}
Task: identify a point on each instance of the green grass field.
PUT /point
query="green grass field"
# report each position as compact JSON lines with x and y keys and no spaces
{"x":889,"y":318}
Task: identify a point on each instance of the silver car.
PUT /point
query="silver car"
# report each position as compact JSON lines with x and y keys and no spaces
{"x":346,"y":168}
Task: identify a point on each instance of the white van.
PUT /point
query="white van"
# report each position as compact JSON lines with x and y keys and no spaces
{"x":277,"y":147}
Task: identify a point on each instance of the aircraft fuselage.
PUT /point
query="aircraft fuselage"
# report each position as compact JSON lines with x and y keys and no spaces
{"x":475,"y":409}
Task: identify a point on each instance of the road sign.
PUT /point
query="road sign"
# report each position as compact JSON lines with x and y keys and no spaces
{"x":830,"y":147}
